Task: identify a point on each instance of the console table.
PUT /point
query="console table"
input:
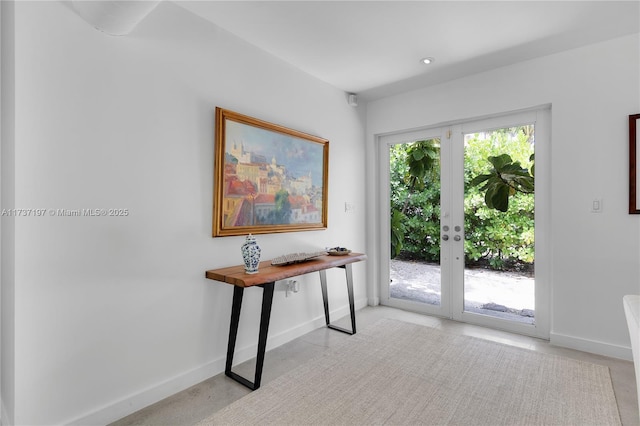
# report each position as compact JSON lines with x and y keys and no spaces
{"x":266,"y":277}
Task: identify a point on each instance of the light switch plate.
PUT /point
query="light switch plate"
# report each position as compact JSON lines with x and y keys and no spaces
{"x":596,"y":205}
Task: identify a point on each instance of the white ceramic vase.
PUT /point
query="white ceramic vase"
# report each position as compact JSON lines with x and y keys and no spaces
{"x":251,"y":254}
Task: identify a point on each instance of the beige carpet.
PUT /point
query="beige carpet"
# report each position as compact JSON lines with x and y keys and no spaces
{"x":399,"y":373}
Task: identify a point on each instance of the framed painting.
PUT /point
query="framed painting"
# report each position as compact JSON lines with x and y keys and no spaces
{"x":634,"y":162}
{"x":267,"y":178}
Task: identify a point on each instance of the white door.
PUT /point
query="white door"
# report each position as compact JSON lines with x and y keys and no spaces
{"x":452,"y":242}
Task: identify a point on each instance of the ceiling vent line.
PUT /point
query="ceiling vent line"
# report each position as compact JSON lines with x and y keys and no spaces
{"x":114,"y":17}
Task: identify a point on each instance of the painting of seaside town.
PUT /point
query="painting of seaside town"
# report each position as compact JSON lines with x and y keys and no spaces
{"x":271,"y":179}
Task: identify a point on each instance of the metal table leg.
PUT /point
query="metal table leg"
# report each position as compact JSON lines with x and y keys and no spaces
{"x":265,"y":315}
{"x":325,"y":299}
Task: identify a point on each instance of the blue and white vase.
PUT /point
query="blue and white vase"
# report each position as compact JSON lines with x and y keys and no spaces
{"x":251,"y":254}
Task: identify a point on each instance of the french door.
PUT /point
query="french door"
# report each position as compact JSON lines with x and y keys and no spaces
{"x":447,"y":250}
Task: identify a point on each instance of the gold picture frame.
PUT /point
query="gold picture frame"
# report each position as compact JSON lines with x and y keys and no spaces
{"x":267,"y":178}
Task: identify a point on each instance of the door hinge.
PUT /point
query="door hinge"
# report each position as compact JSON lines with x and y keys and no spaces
{"x":449,"y":134}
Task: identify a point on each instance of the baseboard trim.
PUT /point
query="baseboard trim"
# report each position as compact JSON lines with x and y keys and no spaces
{"x":139,"y":400}
{"x":591,"y":346}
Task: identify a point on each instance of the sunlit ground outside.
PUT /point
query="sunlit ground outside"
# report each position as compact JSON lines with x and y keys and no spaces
{"x":507,"y":295}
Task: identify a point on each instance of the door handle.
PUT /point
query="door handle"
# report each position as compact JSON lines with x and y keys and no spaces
{"x":457,"y":238}
{"x":445,"y":237}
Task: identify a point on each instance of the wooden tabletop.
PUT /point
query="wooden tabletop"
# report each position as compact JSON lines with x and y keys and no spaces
{"x":268,"y":273}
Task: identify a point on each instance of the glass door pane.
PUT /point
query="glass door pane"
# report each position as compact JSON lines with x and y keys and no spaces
{"x":414,"y":189}
{"x":499,"y":223}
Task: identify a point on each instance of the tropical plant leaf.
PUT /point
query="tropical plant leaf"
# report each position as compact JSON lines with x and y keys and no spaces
{"x":532,"y":158}
{"x":500,"y":161}
{"x":397,"y":232}
{"x":497,"y":197}
{"x":479,"y":179}
{"x":504,"y":180}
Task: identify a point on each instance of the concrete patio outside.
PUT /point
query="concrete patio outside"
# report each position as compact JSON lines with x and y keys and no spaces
{"x":505,"y":295}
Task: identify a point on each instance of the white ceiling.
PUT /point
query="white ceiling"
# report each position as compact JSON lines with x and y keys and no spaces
{"x":373,"y":48}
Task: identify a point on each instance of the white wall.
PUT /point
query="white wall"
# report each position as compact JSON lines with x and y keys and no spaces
{"x":113,"y":313}
{"x":7,"y":288}
{"x":592,"y":90}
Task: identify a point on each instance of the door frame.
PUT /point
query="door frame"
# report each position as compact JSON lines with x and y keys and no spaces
{"x":542,"y":118}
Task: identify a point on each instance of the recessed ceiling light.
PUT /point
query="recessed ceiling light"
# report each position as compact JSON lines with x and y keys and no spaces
{"x":427,"y":61}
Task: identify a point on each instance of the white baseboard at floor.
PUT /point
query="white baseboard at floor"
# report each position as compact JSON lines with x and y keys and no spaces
{"x":145,"y":397}
{"x":592,"y":346}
